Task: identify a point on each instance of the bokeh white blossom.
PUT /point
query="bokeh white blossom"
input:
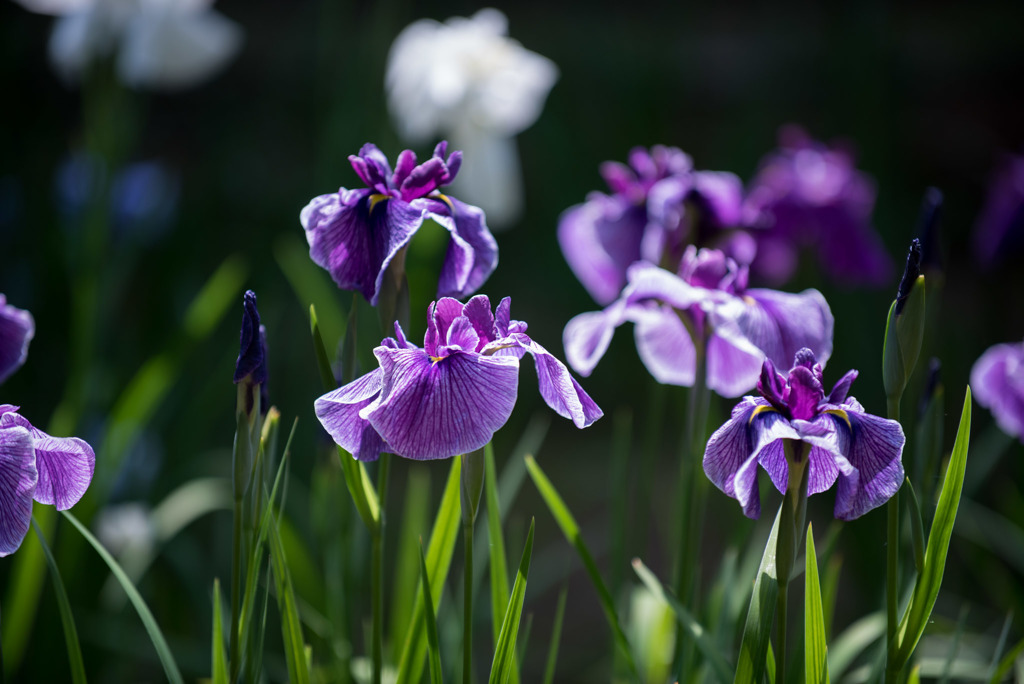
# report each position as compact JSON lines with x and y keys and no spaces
{"x":467,"y":81}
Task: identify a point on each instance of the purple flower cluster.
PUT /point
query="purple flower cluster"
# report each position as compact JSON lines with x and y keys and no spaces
{"x":356,"y":234}
{"x":450,"y":396}
{"x":839,"y":439}
{"x":708,"y":299}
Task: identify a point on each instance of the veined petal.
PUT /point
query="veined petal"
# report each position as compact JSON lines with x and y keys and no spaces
{"x":586,"y":337}
{"x":355,"y":237}
{"x":781,"y":323}
{"x":874,"y":447}
{"x":664,"y":344}
{"x":64,"y":465}
{"x":431,"y":410}
{"x":338,"y":412}
{"x":18,"y":478}
{"x":733,"y":365}
{"x":730,"y":450}
{"x":560,"y":390}
{"x":647,"y":281}
{"x":768,"y":429}
{"x":472,"y":252}
{"x":16,"y":330}
{"x":599,"y":240}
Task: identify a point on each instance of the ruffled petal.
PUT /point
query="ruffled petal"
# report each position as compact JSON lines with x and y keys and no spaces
{"x":599,"y":240}
{"x":65,"y":465}
{"x":781,"y":323}
{"x":430,"y":410}
{"x":472,"y":252}
{"x":560,"y":390}
{"x":338,"y":411}
{"x":18,"y":478}
{"x":16,"y":330}
{"x":354,"y":242}
{"x":874,"y":448}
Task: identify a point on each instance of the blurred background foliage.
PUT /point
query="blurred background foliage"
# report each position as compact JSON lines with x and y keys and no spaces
{"x":927,"y":93}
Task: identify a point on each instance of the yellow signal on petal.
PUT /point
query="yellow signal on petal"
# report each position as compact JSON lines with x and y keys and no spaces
{"x":842,"y":414}
{"x":759,"y":410}
{"x":376,"y":198}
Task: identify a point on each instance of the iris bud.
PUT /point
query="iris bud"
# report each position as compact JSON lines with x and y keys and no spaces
{"x":904,"y":329}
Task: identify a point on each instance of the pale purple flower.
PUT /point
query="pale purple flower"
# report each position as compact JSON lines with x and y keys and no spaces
{"x":999,"y":229}
{"x":807,"y":195}
{"x":708,"y":298}
{"x":449,"y":397}
{"x":16,"y":330}
{"x":841,"y":442}
{"x":997,"y":380}
{"x":356,"y":234}
{"x":658,"y":205}
{"x":36,"y":466}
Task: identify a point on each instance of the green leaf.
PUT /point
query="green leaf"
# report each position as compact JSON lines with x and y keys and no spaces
{"x":219,"y":664}
{"x":163,"y":651}
{"x":916,"y":526}
{"x":498,"y":562}
{"x":505,"y":653}
{"x":721,"y":668}
{"x":572,"y":533}
{"x":760,"y":615}
{"x":926,"y":590}
{"x":405,"y":583}
{"x":433,"y":650}
{"x":291,"y":626}
{"x":853,"y":641}
{"x":556,"y":637}
{"x":439,"y":558}
{"x":1006,"y":664}
{"x":815,"y":648}
{"x":67,"y":619}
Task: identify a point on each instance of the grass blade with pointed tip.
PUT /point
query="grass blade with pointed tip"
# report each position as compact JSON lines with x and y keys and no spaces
{"x":433,"y":650}
{"x":572,"y":533}
{"x":760,"y":615}
{"x":219,"y":664}
{"x":918,"y":612}
{"x":556,"y":637}
{"x":67,"y":619}
{"x":719,"y":666}
{"x":439,"y":559}
{"x":815,"y":648}
{"x":163,"y":651}
{"x":505,"y":653}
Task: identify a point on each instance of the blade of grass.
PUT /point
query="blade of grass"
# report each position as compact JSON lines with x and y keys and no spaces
{"x":1001,"y":644}
{"x":291,"y":626}
{"x":505,"y":653}
{"x":815,"y":648}
{"x":67,"y":619}
{"x":571,"y":531}
{"x":1006,"y":664}
{"x":433,"y":650}
{"x":760,"y":615}
{"x":405,"y":583}
{"x":439,"y":558}
{"x":719,"y":666}
{"x":152,"y":628}
{"x":853,"y":641}
{"x":556,"y":637}
{"x":219,"y":661}
{"x":498,"y":562}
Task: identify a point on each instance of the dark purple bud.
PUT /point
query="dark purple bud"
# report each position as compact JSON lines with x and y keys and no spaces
{"x":251,"y":356}
{"x":910,"y":274}
{"x":928,"y":229}
{"x":264,"y":391}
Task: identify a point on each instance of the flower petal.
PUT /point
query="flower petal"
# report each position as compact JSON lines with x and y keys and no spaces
{"x":781,"y":323}
{"x":732,"y":369}
{"x":65,"y":465}
{"x":472,"y":252}
{"x":354,"y":242}
{"x":874,"y":447}
{"x":430,"y":410}
{"x":560,"y":390}
{"x":338,"y":411}
{"x":997,"y":380}
{"x":664,"y":344}
{"x":16,"y":330}
{"x":18,"y":478}
{"x":730,"y":450}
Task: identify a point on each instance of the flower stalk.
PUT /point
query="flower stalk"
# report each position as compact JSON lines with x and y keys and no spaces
{"x":791,"y":531}
{"x":471,"y":491}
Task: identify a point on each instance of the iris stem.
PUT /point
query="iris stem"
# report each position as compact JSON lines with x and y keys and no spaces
{"x":892,"y":567}
{"x":377,"y":579}
{"x":467,"y":597}
{"x":236,"y":571}
{"x":791,"y":531}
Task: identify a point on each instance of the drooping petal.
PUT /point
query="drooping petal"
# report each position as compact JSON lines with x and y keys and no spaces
{"x":16,"y":330}
{"x":768,"y":429}
{"x":65,"y":465}
{"x":734,"y":365}
{"x":18,"y":478}
{"x":874,"y":448}
{"x":560,"y":390}
{"x":586,"y":337}
{"x":472,"y":252}
{"x":729,"y":450}
{"x":338,"y":411}
{"x":781,"y":323}
{"x":430,"y":410}
{"x":355,"y":237}
{"x":599,"y":240}
{"x":664,"y":344}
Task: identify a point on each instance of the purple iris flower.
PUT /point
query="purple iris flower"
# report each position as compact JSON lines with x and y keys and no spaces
{"x":999,"y":229}
{"x":449,"y":397}
{"x":998,"y":382}
{"x":839,"y":440}
{"x":16,"y":330}
{"x":806,"y":194}
{"x":658,"y":205}
{"x":34,"y":465}
{"x":707,"y":299}
{"x":355,"y":234}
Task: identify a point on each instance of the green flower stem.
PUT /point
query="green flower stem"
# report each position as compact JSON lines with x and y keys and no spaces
{"x":236,"y":574}
{"x":377,"y":579}
{"x":892,"y":569}
{"x":473,"y":469}
{"x":791,"y":531}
